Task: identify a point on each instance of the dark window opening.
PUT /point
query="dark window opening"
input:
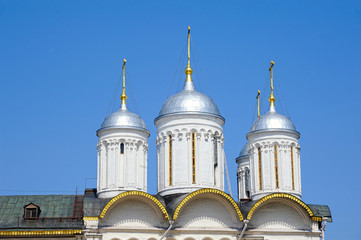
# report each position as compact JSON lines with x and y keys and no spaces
{"x":31,"y":211}
{"x":122,"y":148}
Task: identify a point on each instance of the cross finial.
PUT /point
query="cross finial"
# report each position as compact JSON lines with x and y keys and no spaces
{"x":258,"y":93}
{"x":272,"y":98}
{"x":123,"y":97}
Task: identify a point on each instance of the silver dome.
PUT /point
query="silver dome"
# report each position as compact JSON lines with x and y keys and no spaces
{"x":244,"y":151}
{"x":123,"y":118}
{"x":273,"y":121}
{"x":189,"y":101}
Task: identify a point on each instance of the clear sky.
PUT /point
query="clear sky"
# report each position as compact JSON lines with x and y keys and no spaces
{"x":60,"y":62}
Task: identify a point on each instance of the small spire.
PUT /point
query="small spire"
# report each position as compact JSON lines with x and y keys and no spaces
{"x":123,"y":97}
{"x":189,"y":70}
{"x":188,"y":85}
{"x":258,"y":93}
{"x":271,"y":98}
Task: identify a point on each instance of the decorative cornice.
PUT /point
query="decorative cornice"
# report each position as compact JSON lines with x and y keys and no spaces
{"x":279,"y":195}
{"x":212,"y":191}
{"x":317,"y":219}
{"x":43,"y":232}
{"x":90,"y":218}
{"x":134,"y":193}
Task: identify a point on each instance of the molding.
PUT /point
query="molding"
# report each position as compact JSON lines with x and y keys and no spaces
{"x":212,"y":191}
{"x":43,"y":232}
{"x":279,"y":195}
{"x":90,"y":218}
{"x":317,"y":219}
{"x":134,"y":193}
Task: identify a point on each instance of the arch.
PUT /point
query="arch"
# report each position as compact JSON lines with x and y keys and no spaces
{"x":281,"y":195}
{"x":193,"y":130}
{"x":135,"y":193}
{"x":211,"y":191}
{"x":184,"y":130}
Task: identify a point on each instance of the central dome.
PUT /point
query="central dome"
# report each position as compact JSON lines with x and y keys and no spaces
{"x":189,"y":101}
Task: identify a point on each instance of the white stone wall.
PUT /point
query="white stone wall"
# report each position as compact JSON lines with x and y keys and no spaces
{"x":266,"y":141}
{"x":243,"y":178}
{"x":208,"y":174}
{"x":282,"y":219}
{"x":205,"y":217}
{"x":121,"y":172}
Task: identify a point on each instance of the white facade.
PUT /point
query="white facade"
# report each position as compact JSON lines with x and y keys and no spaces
{"x":264,"y":176}
{"x":243,"y":177}
{"x":206,"y":216}
{"x":119,"y":172}
{"x":209,"y":153}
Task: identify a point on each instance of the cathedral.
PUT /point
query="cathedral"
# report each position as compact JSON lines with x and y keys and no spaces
{"x":190,"y":203}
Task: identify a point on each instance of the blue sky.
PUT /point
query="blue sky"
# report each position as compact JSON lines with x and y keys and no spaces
{"x":60,"y":62}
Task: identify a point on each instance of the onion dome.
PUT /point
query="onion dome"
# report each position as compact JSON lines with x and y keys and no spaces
{"x":272,"y":121}
{"x":243,"y":156}
{"x":189,"y":101}
{"x":244,"y":151}
{"x":123,"y":118}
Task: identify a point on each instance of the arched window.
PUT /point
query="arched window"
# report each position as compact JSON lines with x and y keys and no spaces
{"x":215,"y":150}
{"x":193,"y":158}
{"x":247,"y":182}
{"x":260,"y":168}
{"x":276,"y":166}
{"x":122,"y":148}
{"x":292,"y":169}
{"x":170,"y":160}
{"x":215,"y":153}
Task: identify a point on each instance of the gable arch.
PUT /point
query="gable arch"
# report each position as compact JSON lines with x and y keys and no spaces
{"x":280,"y":196}
{"x":215,"y":192}
{"x":140,"y":195}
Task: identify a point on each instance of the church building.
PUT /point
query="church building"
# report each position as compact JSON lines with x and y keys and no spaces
{"x":191,"y":202}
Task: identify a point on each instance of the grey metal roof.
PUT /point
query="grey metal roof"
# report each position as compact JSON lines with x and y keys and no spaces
{"x":123,"y":118}
{"x":321,"y":211}
{"x":189,"y":101}
{"x":56,"y":211}
{"x":92,"y":204}
{"x":172,"y":201}
{"x":244,"y":151}
{"x":273,"y":121}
